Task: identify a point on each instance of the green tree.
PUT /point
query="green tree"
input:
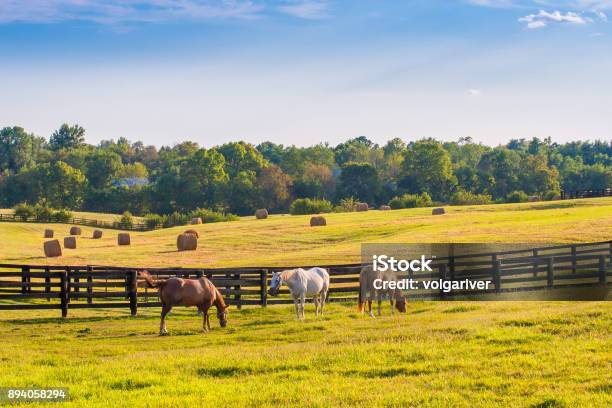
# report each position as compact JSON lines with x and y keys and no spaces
{"x":427,"y":168}
{"x":102,"y":167}
{"x":17,"y":149}
{"x":67,"y":137}
{"x":359,"y":180}
{"x":274,"y":188}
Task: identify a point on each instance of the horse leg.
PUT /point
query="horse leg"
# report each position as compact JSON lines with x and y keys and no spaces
{"x":370,"y":307}
{"x":297,"y":307}
{"x":391,"y":301}
{"x":379,"y":302}
{"x":315,"y":300}
{"x":162,"y":324}
{"x":323,"y":296}
{"x":303,"y":302}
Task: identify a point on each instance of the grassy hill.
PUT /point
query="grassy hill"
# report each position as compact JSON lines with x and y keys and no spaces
{"x":289,"y":240}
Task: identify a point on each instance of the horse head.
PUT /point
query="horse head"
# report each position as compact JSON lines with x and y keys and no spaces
{"x":275,"y":283}
{"x":222,"y":315}
{"x":400,"y":301}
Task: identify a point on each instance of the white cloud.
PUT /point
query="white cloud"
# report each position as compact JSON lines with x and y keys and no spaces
{"x":543,"y":18}
{"x":122,"y":11}
{"x":308,"y":9}
{"x":474,"y":92}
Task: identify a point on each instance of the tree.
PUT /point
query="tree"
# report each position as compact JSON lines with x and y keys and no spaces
{"x":498,"y":172}
{"x":241,"y":156}
{"x":359,"y":180}
{"x":16,"y":149}
{"x":355,"y":150}
{"x":274,"y":188}
{"x":67,"y":137}
{"x":317,"y":181}
{"x":55,"y":184}
{"x":102,"y":167}
{"x":427,"y":168}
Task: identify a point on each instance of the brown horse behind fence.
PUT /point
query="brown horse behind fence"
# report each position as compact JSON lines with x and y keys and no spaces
{"x":187,"y":292}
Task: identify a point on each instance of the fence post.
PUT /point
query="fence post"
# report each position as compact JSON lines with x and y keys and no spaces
{"x":603,"y":273}
{"x":77,"y":280}
{"x":550,"y":271}
{"x":89,"y":285}
{"x":238,"y":296}
{"x":263,"y":287}
{"x":451,"y":261}
{"x":442,"y":269}
{"x":536,"y":264}
{"x":25,"y":279}
{"x":496,"y":273}
{"x":132,"y":290}
{"x":47,"y":282}
{"x":64,"y":289}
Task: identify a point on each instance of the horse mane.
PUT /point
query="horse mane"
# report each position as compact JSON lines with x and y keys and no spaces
{"x":219,"y":301}
{"x":287,"y":274}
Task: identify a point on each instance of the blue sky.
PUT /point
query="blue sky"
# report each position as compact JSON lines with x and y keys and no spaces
{"x":308,"y":71}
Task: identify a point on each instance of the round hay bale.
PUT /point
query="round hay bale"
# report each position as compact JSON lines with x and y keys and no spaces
{"x":97,"y":234}
{"x":52,"y":248}
{"x":438,"y":211}
{"x":192,"y":232}
{"x":187,"y":242}
{"x":48,"y":233}
{"x":70,"y":242}
{"x":318,"y":221}
{"x":384,"y":208}
{"x":261,"y":214}
{"x":362,"y":207}
{"x":123,"y":238}
{"x":75,"y":231}
{"x":195,"y":221}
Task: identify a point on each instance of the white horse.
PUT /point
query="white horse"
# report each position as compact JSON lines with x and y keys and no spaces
{"x":312,"y":282}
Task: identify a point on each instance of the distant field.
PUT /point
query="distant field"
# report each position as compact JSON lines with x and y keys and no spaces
{"x":289,"y":240}
{"x":472,"y":354}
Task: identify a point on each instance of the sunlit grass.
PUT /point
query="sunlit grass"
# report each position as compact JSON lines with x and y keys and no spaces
{"x":552,"y":354}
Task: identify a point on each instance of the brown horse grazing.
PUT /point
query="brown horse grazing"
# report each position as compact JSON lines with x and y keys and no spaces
{"x":187,"y":292}
{"x":367,"y":276}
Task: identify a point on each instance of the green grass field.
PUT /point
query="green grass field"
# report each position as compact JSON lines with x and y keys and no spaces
{"x":511,"y":354}
{"x":289,"y":240}
{"x":464,"y":354}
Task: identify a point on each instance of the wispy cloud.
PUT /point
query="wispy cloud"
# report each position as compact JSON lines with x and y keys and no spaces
{"x":585,"y":5}
{"x":474,"y":92}
{"x":543,"y":18}
{"x":123,"y":11}
{"x":308,"y":9}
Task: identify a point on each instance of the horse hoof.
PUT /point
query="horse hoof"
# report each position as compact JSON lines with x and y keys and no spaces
{"x":164,"y":334}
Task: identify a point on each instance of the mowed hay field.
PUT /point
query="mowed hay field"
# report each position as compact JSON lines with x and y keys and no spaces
{"x":509,"y":354}
{"x":289,"y":240}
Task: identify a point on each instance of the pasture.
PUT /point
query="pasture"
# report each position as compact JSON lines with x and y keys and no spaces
{"x":465,"y":354}
{"x":512,"y":354}
{"x":289,"y":240}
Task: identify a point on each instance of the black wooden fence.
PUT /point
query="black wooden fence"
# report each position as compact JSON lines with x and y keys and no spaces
{"x":135,"y":226}
{"x":75,"y":287}
{"x":602,"y":192}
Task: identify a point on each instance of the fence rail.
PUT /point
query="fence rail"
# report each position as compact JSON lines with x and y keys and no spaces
{"x":137,"y":226}
{"x":602,"y":192}
{"x":75,"y":287}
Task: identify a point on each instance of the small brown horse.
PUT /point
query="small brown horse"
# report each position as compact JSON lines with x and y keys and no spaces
{"x":187,"y":292}
{"x":367,"y":276}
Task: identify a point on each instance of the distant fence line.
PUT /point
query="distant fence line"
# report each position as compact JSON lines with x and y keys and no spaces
{"x":603,"y":192}
{"x":136,"y":226}
{"x":76,"y":287}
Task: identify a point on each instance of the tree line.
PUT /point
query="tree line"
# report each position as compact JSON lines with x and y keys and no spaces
{"x":64,"y":171}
